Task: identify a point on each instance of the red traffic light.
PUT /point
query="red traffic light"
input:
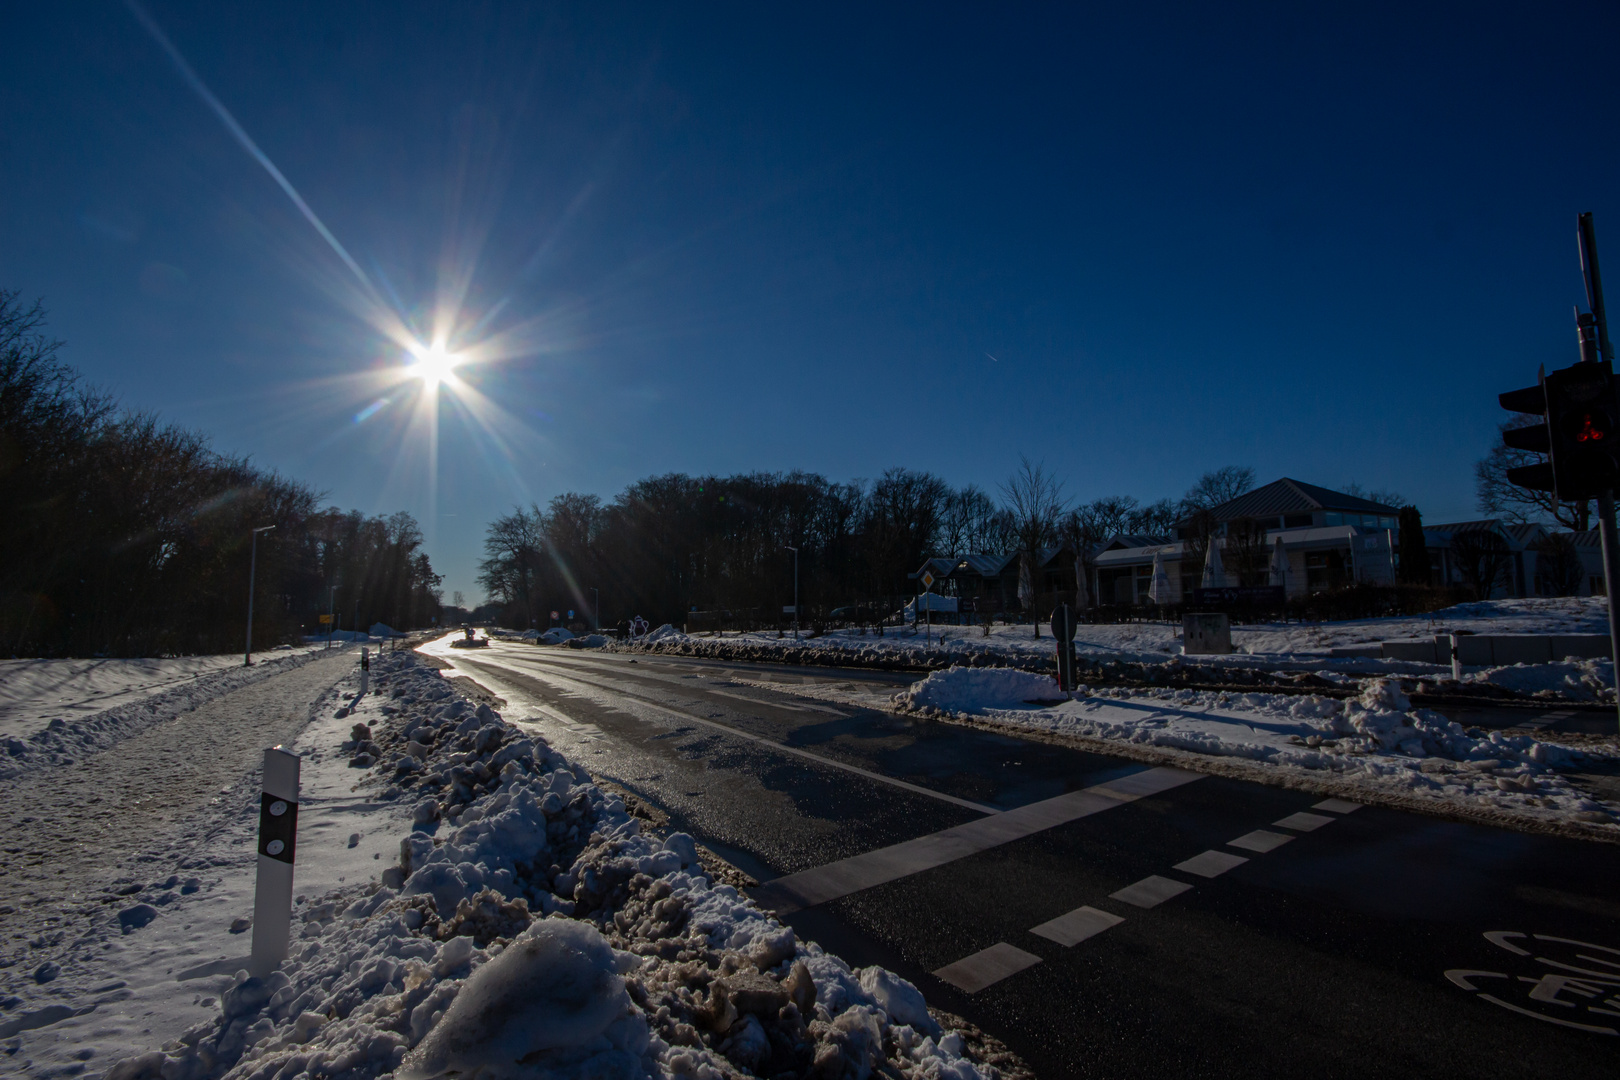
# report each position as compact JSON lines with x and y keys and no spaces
{"x":1589,"y":430}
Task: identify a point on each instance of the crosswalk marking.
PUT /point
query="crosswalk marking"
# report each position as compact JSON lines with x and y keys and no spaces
{"x":1076,"y":926}
{"x":1261,"y":840}
{"x":1211,"y":863}
{"x":1303,"y":822}
{"x":987,"y":967}
{"x":1151,"y":891}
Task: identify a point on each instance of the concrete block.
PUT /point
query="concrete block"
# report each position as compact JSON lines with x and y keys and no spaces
{"x":1373,"y":651}
{"x":1519,"y":648}
{"x":1421,"y":651}
{"x":1206,"y":634}
{"x":1585,"y":646}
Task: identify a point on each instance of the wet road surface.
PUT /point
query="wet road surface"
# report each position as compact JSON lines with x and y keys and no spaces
{"x":1102,"y":917}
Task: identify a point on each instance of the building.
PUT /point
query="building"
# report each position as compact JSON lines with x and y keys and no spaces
{"x":989,"y":583}
{"x":1331,"y":540}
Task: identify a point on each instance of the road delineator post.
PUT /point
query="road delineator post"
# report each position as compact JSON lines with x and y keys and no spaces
{"x":278,"y":833}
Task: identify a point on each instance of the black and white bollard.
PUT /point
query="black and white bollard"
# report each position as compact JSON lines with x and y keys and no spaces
{"x":278,"y":833}
{"x":1456,"y":660}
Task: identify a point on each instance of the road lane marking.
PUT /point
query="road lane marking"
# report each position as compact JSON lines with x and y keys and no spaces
{"x":1303,"y":822}
{"x":1076,"y":926}
{"x":558,"y":679}
{"x":1211,"y":863}
{"x":1260,"y":840}
{"x":1337,"y":806}
{"x":987,"y":967}
{"x":807,"y":888}
{"x":1151,"y":891}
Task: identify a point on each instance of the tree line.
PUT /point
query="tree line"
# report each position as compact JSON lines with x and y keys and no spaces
{"x":669,"y":544}
{"x":126,"y":536}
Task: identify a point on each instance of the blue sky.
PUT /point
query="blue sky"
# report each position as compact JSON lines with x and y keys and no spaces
{"x":728,"y":238}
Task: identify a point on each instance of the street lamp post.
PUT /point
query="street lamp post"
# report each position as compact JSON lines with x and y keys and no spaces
{"x":795,"y":590}
{"x":253,"y":569}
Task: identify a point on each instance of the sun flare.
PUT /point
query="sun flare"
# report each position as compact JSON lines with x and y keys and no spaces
{"x":434,"y":364}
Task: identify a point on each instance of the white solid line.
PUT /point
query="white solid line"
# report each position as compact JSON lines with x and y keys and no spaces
{"x":556,"y":679}
{"x":1211,"y":863}
{"x":820,"y":884}
{"x":1303,"y":822}
{"x":1077,"y":926}
{"x":987,"y":967}
{"x":1337,"y":806}
{"x":1151,"y":891}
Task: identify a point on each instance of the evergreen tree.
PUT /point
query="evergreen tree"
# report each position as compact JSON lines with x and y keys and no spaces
{"x":1414,"y":554}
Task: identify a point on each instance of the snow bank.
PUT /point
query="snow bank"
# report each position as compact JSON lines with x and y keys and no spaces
{"x":973,"y":690}
{"x":1577,"y":680}
{"x":62,"y":741}
{"x":532,"y":929}
{"x":1377,"y":743}
{"x":556,"y":635}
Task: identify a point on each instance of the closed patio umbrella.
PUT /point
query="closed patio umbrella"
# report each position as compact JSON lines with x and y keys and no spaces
{"x":1214,"y":569}
{"x":1159,"y":587}
{"x":1279,"y":564}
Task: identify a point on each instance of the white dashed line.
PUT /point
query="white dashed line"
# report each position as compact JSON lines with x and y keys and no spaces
{"x":1151,"y":891}
{"x":987,"y":967}
{"x":1260,"y":840}
{"x":1303,"y":822}
{"x":1211,"y":863}
{"x":1077,"y":925}
{"x":1337,"y":806}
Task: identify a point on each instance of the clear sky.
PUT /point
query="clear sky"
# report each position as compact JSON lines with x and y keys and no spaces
{"x":1135,"y":241}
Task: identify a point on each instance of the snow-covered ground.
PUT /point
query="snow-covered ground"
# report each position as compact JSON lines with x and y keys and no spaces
{"x":56,"y":711}
{"x":35,"y":692}
{"x":1287,"y":646}
{"x":467,"y":900}
{"x":1376,"y":746}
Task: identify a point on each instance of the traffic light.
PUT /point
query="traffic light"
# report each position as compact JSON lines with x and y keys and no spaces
{"x":1580,"y":433}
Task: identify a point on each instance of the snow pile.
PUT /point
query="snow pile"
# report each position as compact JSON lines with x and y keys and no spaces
{"x":556,"y":635}
{"x":667,"y":632}
{"x":973,"y":690}
{"x":1377,"y":744}
{"x":532,"y":929}
{"x":589,"y":641}
{"x":1577,"y":680}
{"x":64,"y":740}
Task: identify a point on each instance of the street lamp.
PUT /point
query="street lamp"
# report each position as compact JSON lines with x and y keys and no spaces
{"x":795,"y":551}
{"x":253,"y":569}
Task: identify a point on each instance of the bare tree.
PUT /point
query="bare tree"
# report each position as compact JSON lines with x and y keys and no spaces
{"x":1559,"y":570}
{"x":1107,"y":517}
{"x":1216,"y":487}
{"x":1034,"y":499}
{"x":1483,"y":558}
{"x":1494,"y":494}
{"x":1381,"y":496}
{"x":966,"y":526}
{"x":1155,"y":519}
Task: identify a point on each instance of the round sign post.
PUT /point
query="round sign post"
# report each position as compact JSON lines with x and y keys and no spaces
{"x":1063,"y":632}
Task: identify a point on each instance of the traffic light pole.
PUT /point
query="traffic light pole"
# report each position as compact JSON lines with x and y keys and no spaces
{"x":1594,"y":336}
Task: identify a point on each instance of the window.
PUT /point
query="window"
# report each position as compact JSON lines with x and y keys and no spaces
{"x":1334,"y":519}
{"x":1296,"y":521}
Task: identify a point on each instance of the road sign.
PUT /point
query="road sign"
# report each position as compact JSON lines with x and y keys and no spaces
{"x":570,"y":613}
{"x":790,"y":609}
{"x":928,"y":579}
{"x":326,"y":620}
{"x":554,"y":615}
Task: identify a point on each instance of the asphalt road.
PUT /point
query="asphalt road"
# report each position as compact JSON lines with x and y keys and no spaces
{"x":1101,"y":917}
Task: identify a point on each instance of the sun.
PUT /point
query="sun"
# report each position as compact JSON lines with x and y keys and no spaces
{"x":434,"y":364}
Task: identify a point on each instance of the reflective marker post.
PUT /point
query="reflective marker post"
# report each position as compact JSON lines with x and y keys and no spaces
{"x":278,"y":832}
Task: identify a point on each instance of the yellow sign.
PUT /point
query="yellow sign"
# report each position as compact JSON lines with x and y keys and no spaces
{"x":325,"y":619}
{"x":928,"y":579}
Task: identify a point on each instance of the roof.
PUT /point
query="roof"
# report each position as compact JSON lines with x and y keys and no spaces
{"x":1136,"y":540}
{"x":988,"y":565}
{"x":1288,"y":496}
